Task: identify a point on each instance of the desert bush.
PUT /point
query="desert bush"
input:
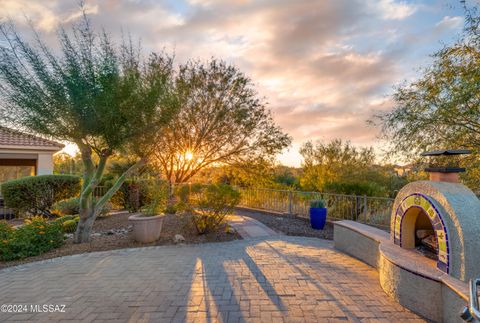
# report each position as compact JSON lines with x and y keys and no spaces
{"x":70,"y":226}
{"x":172,"y":208}
{"x":72,"y":207}
{"x":68,"y":223}
{"x":36,"y":236}
{"x":36,"y":194}
{"x":157,"y":197}
{"x":132,"y":195}
{"x":185,"y":193}
{"x":211,"y":205}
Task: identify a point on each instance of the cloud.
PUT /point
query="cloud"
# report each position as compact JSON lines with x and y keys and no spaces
{"x":324,"y":66}
{"x":449,"y":22}
{"x":396,"y":10}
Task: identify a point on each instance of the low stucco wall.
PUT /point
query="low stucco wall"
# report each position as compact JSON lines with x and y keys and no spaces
{"x":422,"y":296}
{"x":356,"y":244}
{"x":424,"y":290}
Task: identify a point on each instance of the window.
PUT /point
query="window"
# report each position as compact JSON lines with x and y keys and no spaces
{"x":12,"y":172}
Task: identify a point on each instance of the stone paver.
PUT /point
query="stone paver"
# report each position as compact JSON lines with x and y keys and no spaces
{"x":279,"y":279}
{"x":250,"y":228}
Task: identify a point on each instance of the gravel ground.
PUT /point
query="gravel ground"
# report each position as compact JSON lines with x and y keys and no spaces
{"x":172,"y":225}
{"x":292,"y":226}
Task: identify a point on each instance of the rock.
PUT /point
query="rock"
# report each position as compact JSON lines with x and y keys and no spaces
{"x":96,"y":234}
{"x":69,"y":235}
{"x":178,"y":238}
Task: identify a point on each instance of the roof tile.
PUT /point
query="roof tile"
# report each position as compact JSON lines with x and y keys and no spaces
{"x":11,"y":137}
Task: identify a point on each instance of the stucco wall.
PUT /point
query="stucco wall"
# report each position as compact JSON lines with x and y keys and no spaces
{"x":44,"y":158}
{"x":45,"y":163}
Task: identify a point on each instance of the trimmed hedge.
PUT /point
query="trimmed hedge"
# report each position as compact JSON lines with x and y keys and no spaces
{"x":37,"y":194}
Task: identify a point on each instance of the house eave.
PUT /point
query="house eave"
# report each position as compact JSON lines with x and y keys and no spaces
{"x":31,"y":148}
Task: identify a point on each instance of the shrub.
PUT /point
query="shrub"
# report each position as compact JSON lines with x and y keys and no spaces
{"x":72,"y":207}
{"x":157,"y":196}
{"x":212,"y":205}
{"x":132,"y":195}
{"x":172,"y":209}
{"x":317,"y":204}
{"x":187,"y":192}
{"x":356,"y":188}
{"x":70,"y":226}
{"x":36,"y":236}
{"x":36,"y":194}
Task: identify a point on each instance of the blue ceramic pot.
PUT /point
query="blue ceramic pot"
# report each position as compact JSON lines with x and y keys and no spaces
{"x":318,"y":217}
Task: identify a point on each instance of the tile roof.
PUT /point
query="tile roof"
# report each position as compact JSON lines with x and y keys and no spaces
{"x":11,"y":137}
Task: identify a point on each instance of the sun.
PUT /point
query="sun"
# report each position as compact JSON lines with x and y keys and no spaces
{"x":188,"y":155}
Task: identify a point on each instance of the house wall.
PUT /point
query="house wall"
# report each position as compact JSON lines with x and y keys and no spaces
{"x":43,"y":159}
{"x":45,"y":164}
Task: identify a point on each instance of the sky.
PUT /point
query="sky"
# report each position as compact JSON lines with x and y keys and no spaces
{"x":324,"y":66}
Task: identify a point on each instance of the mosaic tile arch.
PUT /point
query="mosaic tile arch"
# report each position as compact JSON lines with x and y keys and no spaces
{"x":422,"y":202}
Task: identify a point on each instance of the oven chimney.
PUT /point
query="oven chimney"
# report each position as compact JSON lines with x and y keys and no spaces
{"x":445,"y":173}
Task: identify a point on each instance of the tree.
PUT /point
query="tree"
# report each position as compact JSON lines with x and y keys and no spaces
{"x":441,"y":109}
{"x":340,"y":167}
{"x":102,"y":97}
{"x":221,"y":121}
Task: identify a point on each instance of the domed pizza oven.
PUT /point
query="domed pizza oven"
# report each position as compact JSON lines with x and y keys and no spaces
{"x":440,"y":219}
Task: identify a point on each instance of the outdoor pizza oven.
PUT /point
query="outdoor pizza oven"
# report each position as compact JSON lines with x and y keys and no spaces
{"x":440,"y":219}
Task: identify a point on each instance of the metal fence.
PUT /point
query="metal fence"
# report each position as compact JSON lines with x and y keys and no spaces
{"x":5,"y":212}
{"x":373,"y":211}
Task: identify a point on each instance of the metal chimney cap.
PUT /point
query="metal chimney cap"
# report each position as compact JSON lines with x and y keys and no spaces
{"x":447,"y":152}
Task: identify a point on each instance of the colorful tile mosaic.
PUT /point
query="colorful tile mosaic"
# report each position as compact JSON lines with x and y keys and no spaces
{"x":418,"y":200}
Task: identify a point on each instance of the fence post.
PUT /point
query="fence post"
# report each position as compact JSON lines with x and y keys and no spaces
{"x":365,"y":209}
{"x":290,"y":202}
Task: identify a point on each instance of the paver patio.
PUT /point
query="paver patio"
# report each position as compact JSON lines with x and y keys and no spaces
{"x":273,"y":279}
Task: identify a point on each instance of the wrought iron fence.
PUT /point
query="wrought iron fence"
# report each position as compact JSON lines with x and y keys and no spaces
{"x":369,"y":210}
{"x":5,"y":212}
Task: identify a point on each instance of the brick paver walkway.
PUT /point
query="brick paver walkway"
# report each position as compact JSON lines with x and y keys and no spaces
{"x":250,"y":228}
{"x":281,"y":278}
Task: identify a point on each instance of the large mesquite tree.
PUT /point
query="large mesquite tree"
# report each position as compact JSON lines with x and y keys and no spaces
{"x":221,"y":120}
{"x":441,"y":109}
{"x":102,"y":97}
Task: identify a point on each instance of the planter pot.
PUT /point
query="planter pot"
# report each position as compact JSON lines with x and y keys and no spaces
{"x":318,"y":217}
{"x":146,"y":228}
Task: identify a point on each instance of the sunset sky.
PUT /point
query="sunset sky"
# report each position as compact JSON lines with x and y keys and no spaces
{"x":324,"y":66}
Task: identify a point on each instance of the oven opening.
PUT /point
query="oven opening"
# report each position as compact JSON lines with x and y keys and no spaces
{"x":425,"y":238}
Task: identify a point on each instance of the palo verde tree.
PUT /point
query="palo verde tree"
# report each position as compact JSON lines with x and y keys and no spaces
{"x":441,"y":109}
{"x":221,"y":120}
{"x":102,"y":97}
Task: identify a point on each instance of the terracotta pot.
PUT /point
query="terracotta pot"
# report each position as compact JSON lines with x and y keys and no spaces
{"x":146,"y":228}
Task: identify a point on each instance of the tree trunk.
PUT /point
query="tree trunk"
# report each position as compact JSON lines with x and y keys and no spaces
{"x":89,"y":209}
{"x":85,"y":225}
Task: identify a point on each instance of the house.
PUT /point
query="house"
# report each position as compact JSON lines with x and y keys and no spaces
{"x":23,"y":154}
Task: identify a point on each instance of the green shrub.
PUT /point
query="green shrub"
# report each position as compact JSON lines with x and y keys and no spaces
{"x":36,"y":236}
{"x":356,"y":188}
{"x":187,"y":192}
{"x":67,"y":207}
{"x":171,"y":209}
{"x":72,"y":207}
{"x":157,"y":196}
{"x":212,"y":204}
{"x":36,"y":194}
{"x":317,"y":204}
{"x":132,"y":195}
{"x":70,"y":226}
